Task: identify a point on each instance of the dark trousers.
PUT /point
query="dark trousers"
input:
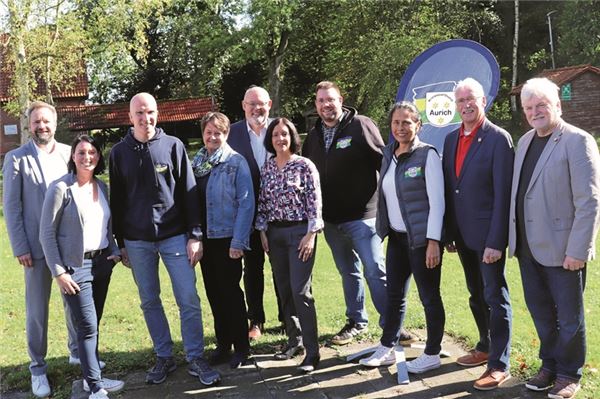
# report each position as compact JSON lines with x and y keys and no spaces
{"x":554,"y":297}
{"x":83,"y":310}
{"x":490,"y":304}
{"x":401,"y":263}
{"x":254,"y":281}
{"x":102,"y":271}
{"x":222,"y":277}
{"x":294,"y":279}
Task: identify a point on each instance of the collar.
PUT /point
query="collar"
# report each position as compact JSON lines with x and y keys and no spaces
{"x":461,"y":133}
{"x":249,"y":129}
{"x":39,"y":151}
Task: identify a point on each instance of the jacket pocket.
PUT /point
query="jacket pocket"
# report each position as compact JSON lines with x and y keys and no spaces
{"x":564,"y":223}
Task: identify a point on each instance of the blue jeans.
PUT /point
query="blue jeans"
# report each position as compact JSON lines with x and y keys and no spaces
{"x":83,"y":310}
{"x":554,"y":297}
{"x":402,"y":262}
{"x":352,"y":243}
{"x":143,"y":257}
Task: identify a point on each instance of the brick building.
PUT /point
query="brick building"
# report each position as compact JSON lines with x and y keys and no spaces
{"x":579,"y":94}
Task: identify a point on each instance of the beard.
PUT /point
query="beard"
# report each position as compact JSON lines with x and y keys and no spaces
{"x":258,"y":120}
{"x":41,"y":137}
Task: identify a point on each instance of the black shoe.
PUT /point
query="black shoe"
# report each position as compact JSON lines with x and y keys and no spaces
{"x":158,"y":373}
{"x":348,"y":332}
{"x":239,"y":359}
{"x":309,"y":364}
{"x":288,"y":352}
{"x":219,"y":356}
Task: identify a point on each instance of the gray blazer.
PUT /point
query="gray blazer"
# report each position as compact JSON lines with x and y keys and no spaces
{"x":562,"y":202}
{"x":61,"y":227}
{"x":23,"y":196}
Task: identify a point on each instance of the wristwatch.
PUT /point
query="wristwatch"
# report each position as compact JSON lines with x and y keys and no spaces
{"x":196,"y":233}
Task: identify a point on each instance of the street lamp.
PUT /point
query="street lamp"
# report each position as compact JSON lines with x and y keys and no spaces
{"x":551,"y":41}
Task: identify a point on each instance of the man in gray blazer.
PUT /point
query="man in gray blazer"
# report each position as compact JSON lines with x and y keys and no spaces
{"x":28,"y":171}
{"x":554,"y":218}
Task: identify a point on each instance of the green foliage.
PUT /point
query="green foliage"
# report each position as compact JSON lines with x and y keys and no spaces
{"x":46,"y":42}
{"x":538,"y":58}
{"x":578,"y":41}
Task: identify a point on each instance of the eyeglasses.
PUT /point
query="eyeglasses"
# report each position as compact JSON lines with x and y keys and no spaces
{"x":259,"y":104}
{"x":467,"y":100}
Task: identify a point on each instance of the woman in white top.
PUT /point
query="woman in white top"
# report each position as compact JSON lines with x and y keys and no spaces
{"x":76,"y":236}
{"x":410,"y":213}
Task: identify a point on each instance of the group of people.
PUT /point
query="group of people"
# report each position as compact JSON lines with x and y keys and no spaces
{"x":248,"y":192}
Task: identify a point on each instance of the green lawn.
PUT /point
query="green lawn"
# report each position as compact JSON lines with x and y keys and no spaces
{"x":126,"y":346}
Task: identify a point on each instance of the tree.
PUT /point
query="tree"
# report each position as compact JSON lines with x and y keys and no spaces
{"x":267,"y":37}
{"x":44,"y":47}
{"x":579,"y":33}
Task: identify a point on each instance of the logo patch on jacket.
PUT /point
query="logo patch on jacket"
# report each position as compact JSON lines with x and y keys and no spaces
{"x":160,"y":167}
{"x":344,"y":142}
{"x":415,"y":171}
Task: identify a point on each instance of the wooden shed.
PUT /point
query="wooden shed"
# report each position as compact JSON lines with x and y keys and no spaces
{"x":579,"y":94}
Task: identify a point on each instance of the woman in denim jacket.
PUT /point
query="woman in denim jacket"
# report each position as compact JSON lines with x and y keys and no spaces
{"x":227,"y":208}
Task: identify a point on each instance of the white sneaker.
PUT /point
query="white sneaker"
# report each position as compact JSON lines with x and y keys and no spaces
{"x":107,"y":384}
{"x":75,"y":361}
{"x":101,"y":394}
{"x":40,"y":385}
{"x":383,"y":356}
{"x":423,"y":363}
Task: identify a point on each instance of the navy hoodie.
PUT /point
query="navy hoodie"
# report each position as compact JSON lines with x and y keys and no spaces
{"x":153,"y":193}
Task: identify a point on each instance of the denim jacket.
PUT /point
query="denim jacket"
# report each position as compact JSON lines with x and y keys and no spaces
{"x":230,"y":200}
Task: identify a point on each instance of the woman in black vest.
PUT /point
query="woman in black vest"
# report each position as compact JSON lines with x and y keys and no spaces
{"x":410,"y":212}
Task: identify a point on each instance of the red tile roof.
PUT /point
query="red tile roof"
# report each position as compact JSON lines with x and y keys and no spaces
{"x":77,"y":87}
{"x":561,"y":76}
{"x":89,"y":117}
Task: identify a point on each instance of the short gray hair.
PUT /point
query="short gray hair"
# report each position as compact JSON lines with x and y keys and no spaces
{"x":542,"y":88}
{"x":472,"y":84}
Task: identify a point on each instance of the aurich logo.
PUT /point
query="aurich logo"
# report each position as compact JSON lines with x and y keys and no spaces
{"x":440,"y":108}
{"x":435,"y":103}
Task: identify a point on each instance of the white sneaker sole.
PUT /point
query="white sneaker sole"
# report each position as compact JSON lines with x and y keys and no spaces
{"x":364,"y":362}
{"x":114,"y":388}
{"x":423,"y":370}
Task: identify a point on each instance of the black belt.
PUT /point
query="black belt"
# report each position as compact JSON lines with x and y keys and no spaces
{"x":286,"y":223}
{"x":92,"y":254}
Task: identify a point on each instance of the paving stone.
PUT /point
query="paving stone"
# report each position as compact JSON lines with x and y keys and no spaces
{"x":334,"y":378}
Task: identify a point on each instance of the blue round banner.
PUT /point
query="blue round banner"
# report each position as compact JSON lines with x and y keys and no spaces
{"x":430,"y":79}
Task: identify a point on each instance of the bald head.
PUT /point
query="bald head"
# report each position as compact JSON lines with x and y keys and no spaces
{"x":256,"y":105}
{"x":143,"y":114}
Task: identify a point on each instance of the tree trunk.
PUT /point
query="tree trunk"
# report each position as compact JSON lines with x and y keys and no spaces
{"x":22,"y":87}
{"x":513,"y":98}
{"x":275,"y":63}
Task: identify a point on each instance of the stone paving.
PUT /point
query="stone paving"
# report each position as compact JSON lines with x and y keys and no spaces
{"x":334,"y":378}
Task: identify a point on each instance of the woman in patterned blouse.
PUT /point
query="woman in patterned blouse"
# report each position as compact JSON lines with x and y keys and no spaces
{"x":289,"y":218}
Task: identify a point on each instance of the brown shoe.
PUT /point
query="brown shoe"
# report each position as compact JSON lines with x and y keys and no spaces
{"x":255,"y":331}
{"x":473,"y":358}
{"x":564,"y":389}
{"x":491,"y":379}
